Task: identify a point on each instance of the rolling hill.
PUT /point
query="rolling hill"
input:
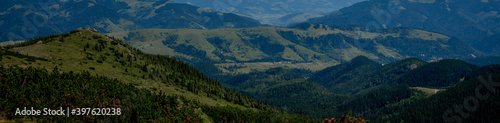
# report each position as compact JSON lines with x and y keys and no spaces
{"x":465,"y":19}
{"x":307,"y":46}
{"x":23,"y":19}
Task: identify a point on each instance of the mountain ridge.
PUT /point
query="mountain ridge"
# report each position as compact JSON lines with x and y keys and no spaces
{"x":466,"y":20}
{"x":274,"y":12}
{"x":47,"y":18}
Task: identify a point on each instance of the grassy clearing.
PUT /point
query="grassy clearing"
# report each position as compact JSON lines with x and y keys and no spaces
{"x":428,"y":91}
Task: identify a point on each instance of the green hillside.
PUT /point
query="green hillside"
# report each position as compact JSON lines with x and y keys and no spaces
{"x":59,"y":59}
{"x":438,"y":74}
{"x":336,"y":77}
{"x":361,"y":87}
{"x":99,"y":54}
{"x":37,"y":88}
{"x":287,"y":90}
{"x":362,"y":75}
{"x":308,"y":46}
{"x":463,"y":103}
{"x":380,"y":103}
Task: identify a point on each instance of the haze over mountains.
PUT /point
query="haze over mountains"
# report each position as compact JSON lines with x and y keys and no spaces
{"x":475,"y":22}
{"x":274,"y":12}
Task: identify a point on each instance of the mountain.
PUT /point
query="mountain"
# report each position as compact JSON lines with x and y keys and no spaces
{"x":484,"y":60}
{"x":464,"y":19}
{"x":335,"y":77}
{"x":287,"y":90}
{"x":382,"y":102}
{"x":308,"y":46}
{"x":467,"y":102}
{"x":359,"y":87}
{"x":274,"y":12}
{"x":361,"y":75}
{"x":484,"y":70}
{"x":488,"y":44}
{"x":22,"y":19}
{"x":438,"y":74}
{"x":85,"y":68}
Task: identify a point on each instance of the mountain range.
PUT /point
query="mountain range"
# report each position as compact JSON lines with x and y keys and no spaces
{"x":22,"y":20}
{"x":474,"y":22}
{"x":161,"y":61}
{"x":274,"y":12}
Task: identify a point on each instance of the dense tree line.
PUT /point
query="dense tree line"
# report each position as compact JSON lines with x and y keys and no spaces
{"x":232,"y":114}
{"x":439,"y":74}
{"x":470,"y":102}
{"x":379,"y":103}
{"x":38,"y":88}
{"x":288,"y":91}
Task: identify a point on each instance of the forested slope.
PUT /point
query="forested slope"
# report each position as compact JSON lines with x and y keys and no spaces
{"x":51,"y":71}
